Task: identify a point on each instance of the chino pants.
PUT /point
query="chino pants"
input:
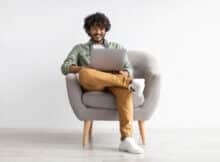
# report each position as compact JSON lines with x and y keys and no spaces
{"x":95,"y":80}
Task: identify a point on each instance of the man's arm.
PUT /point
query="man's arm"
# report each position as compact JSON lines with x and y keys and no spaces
{"x":70,"y":63}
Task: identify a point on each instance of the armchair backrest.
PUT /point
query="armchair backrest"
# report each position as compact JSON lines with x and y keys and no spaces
{"x":142,"y":63}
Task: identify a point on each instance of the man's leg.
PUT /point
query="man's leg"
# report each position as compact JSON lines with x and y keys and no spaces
{"x":124,"y":103}
{"x":124,"y":100}
{"x":92,"y":79}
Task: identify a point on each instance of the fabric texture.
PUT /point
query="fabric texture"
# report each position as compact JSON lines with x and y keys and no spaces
{"x":105,"y":100}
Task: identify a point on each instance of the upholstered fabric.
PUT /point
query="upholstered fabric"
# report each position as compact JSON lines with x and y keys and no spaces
{"x":106,"y":100}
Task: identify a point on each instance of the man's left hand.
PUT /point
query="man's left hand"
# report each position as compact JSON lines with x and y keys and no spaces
{"x":124,"y":72}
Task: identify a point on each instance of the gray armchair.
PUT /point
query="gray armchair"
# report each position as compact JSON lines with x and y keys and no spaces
{"x":99,"y":105}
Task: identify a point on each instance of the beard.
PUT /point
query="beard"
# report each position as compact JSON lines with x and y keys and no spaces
{"x":97,"y":38}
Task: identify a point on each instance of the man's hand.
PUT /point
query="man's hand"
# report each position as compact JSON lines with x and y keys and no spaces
{"x":74,"y":69}
{"x":124,"y":72}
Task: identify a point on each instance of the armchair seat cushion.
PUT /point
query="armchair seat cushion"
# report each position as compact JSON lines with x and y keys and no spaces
{"x":106,"y":100}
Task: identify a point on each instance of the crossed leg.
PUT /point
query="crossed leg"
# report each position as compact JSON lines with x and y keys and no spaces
{"x":92,"y":79}
{"x":117,"y":84}
{"x":124,"y":103}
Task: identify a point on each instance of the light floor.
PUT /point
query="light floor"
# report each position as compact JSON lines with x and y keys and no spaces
{"x":164,"y":145}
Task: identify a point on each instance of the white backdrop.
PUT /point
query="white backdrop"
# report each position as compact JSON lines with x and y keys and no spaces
{"x":36,"y":36}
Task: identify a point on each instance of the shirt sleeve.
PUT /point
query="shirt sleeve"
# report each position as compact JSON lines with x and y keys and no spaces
{"x":128,"y":67}
{"x":70,"y":60}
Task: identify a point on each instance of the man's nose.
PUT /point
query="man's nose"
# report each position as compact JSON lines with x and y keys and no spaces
{"x":98,"y":31}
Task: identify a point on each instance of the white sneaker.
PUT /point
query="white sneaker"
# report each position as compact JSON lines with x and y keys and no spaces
{"x":137,"y":86}
{"x":129,"y":145}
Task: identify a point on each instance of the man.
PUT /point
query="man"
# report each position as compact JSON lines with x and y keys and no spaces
{"x":121,"y":83}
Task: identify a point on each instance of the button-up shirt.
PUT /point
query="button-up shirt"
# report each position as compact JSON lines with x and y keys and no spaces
{"x":80,"y":56}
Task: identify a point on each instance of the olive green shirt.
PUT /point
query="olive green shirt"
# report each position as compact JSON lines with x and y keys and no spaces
{"x":80,"y":56}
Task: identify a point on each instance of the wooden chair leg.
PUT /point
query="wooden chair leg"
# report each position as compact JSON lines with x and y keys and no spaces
{"x":87,"y":124}
{"x":142,"y":131}
{"x":90,"y":130}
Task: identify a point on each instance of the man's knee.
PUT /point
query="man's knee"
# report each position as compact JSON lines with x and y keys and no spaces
{"x":84,"y":75}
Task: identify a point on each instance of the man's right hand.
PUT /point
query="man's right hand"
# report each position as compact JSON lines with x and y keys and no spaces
{"x":74,"y":69}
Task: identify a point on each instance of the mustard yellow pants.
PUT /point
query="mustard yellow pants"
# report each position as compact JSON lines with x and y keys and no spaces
{"x":95,"y":80}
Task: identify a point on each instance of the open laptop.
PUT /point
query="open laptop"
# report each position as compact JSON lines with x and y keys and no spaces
{"x":107,"y":59}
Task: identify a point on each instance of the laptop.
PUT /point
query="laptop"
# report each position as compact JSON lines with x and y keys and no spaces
{"x":107,"y":59}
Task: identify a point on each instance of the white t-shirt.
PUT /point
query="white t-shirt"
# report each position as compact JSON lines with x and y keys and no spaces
{"x":98,"y":46}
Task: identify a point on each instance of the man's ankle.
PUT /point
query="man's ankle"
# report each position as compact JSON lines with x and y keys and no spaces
{"x":123,"y":137}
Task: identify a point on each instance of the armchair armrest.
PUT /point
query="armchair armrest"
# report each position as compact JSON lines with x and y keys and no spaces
{"x":75,"y":92}
{"x":152,"y":88}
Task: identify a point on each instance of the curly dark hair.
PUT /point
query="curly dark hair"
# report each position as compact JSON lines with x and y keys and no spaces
{"x":98,"y":19}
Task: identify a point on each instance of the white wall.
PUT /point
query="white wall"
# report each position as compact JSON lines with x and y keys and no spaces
{"x":36,"y":36}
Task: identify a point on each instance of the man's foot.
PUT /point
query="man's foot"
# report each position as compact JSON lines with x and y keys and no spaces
{"x":137,"y":86}
{"x":129,"y":145}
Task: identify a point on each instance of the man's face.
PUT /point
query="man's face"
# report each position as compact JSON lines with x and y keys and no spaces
{"x":97,"y":33}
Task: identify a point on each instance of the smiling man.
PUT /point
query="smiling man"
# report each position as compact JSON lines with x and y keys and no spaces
{"x":121,"y":83}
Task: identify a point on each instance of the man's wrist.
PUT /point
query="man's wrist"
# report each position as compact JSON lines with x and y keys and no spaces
{"x":74,"y":68}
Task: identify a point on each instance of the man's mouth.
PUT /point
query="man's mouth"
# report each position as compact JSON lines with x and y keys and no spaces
{"x":98,"y":37}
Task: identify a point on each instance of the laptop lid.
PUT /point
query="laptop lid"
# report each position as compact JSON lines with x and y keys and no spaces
{"x":108,"y":59}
